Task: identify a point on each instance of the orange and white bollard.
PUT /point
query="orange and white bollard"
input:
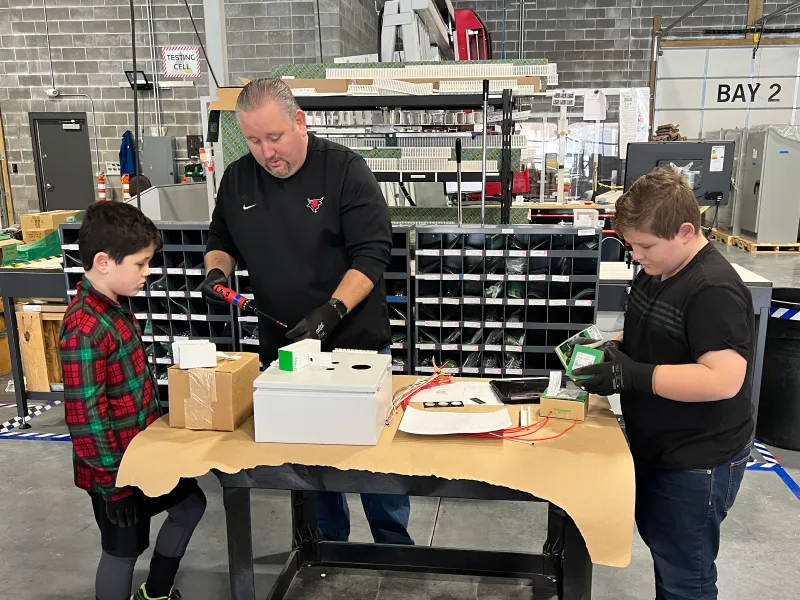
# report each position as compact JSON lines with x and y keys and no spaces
{"x":126,"y":188}
{"x":184,"y":180}
{"x":101,"y":187}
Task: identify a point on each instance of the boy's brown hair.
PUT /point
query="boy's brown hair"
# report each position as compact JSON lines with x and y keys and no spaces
{"x":657,"y":203}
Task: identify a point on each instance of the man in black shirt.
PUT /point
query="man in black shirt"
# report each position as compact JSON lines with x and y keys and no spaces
{"x":309,"y":220}
{"x":682,"y":369}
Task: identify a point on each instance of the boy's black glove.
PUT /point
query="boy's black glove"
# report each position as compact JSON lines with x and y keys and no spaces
{"x":125,"y":511}
{"x":619,"y":373}
{"x":318,"y":324}
{"x":215,"y":299}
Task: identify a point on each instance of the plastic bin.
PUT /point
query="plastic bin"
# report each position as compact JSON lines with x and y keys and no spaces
{"x":779,"y":406}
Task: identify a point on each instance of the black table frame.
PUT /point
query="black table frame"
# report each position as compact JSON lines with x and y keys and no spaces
{"x":564,"y":559}
{"x":27,"y":283}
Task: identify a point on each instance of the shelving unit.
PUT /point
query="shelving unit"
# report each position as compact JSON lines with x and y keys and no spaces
{"x":246,"y":325}
{"x":501,"y":166}
{"x":497,"y":300}
{"x":398,"y":289}
{"x":169,"y":308}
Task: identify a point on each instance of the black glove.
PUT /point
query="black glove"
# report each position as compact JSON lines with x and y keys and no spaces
{"x":614,"y":345}
{"x":215,"y":299}
{"x":318,"y":324}
{"x":619,"y":373}
{"x":125,"y":511}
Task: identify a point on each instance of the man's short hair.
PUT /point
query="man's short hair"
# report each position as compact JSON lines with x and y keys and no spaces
{"x":657,"y":203}
{"x":117,"y":228}
{"x":259,"y":91}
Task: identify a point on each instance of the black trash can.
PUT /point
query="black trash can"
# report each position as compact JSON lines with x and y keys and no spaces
{"x":779,"y":404}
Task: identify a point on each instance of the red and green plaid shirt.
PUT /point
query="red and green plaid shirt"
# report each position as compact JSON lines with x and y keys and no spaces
{"x":109,"y":391}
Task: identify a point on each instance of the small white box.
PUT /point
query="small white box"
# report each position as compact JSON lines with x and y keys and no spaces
{"x":192,"y":354}
{"x":298,"y":355}
{"x":343,"y":404}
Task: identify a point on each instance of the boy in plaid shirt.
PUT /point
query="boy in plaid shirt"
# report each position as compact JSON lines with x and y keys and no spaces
{"x":110,"y":396}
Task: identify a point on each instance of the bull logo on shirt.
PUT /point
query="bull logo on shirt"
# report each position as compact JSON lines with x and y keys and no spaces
{"x":315,"y":204}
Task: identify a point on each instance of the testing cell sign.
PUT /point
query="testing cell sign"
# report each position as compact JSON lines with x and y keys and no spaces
{"x":181,"y":61}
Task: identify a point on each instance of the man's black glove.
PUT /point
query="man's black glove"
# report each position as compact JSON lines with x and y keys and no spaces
{"x":215,"y":299}
{"x":125,"y":511}
{"x":614,"y":345}
{"x":619,"y":373}
{"x":318,"y":324}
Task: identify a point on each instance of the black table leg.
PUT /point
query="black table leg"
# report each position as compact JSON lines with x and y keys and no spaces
{"x":568,"y":556}
{"x":305,"y":527}
{"x":16,"y":360}
{"x":240,"y":542}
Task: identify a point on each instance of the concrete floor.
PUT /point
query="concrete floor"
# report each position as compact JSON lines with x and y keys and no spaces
{"x":51,"y":543}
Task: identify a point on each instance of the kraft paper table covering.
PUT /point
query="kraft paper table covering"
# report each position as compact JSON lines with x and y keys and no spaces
{"x":588,"y":471}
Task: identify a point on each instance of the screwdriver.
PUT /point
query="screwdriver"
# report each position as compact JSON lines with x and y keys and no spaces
{"x":242,"y":303}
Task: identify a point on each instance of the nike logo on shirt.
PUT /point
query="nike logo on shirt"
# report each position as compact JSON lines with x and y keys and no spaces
{"x":245,"y":207}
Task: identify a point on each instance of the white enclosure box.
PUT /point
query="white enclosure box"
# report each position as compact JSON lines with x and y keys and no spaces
{"x":343,"y":404}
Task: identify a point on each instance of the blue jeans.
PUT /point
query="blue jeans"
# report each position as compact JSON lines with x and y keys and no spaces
{"x":387,"y":515}
{"x":678,"y":514}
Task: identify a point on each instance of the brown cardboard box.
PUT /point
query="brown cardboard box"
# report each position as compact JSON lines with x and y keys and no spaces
{"x":33,"y":235}
{"x":45,"y":220}
{"x":573,"y":410}
{"x":217,"y":399}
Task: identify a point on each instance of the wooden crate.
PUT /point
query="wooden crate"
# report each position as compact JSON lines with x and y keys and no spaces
{"x":38,"y":344}
{"x":719,"y":236}
{"x":764,"y":247}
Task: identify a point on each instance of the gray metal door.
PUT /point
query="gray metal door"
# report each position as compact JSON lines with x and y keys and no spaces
{"x":63,"y":161}
{"x":750,"y":184}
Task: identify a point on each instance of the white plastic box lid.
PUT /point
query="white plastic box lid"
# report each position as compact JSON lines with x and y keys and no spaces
{"x":350,"y":372}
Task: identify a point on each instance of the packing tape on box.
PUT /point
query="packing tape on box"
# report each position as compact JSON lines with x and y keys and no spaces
{"x":199,"y":406}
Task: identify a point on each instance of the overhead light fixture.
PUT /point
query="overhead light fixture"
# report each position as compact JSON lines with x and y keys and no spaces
{"x":140,"y":80}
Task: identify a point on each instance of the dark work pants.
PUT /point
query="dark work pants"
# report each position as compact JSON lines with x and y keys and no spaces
{"x":679,"y":514}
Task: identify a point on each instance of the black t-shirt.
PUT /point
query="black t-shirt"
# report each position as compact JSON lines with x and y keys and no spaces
{"x":703,"y":308}
{"x":299,"y":236}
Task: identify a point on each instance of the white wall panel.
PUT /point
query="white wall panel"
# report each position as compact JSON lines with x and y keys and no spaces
{"x":679,"y":93}
{"x":771,"y":117}
{"x":723,"y":119}
{"x":776,"y":62}
{"x":682,"y":63}
{"x":729,"y":62}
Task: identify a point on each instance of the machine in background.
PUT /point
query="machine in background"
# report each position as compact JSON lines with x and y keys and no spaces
{"x":766,"y":200}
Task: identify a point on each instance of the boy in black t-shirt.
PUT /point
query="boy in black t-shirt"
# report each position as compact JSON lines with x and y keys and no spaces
{"x":682,"y":371}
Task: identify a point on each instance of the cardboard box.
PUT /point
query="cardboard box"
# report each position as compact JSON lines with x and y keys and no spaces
{"x":45,"y":220}
{"x":561,"y":408}
{"x":32,"y":235}
{"x":218,"y":398}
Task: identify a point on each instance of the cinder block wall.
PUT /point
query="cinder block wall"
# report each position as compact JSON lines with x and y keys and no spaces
{"x":596,"y":43}
{"x":263,"y":34}
{"x":90,"y":45}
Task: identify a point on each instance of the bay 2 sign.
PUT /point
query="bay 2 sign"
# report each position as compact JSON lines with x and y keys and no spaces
{"x":755,"y":93}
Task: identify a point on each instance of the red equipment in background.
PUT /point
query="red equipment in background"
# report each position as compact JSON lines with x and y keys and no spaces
{"x":473,"y":41}
{"x":521,"y":184}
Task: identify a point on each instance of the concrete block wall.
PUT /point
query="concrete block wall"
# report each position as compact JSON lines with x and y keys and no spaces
{"x":263,"y":34}
{"x":596,"y":43}
{"x":90,"y":46}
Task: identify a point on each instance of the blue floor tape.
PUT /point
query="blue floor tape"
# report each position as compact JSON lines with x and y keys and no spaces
{"x":32,"y":436}
{"x":787,"y":479}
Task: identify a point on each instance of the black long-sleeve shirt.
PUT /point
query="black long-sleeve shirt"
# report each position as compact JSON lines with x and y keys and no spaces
{"x":299,"y":236}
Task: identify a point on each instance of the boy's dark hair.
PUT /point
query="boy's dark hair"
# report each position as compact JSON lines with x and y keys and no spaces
{"x":116,"y":228}
{"x":657,"y":203}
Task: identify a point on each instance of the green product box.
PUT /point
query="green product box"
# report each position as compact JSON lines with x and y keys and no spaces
{"x":585,"y":343}
{"x":583,"y":356}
